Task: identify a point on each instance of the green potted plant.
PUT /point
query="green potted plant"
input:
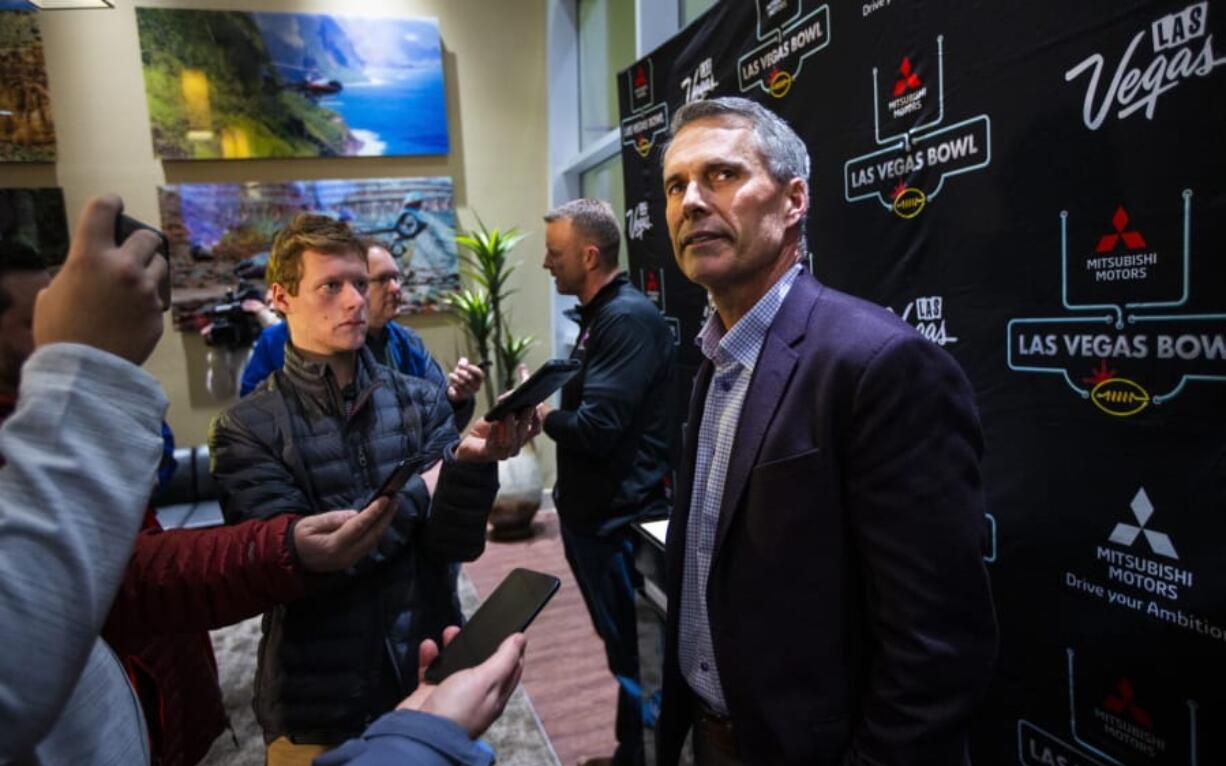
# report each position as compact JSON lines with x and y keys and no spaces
{"x":477,"y":316}
{"x":482,"y":308}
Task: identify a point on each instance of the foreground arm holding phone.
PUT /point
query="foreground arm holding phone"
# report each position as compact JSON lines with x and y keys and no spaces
{"x":81,"y":451}
{"x":438,"y":725}
{"x":462,"y":689}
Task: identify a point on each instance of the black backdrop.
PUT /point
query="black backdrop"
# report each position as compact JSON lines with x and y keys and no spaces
{"x":1038,"y":187}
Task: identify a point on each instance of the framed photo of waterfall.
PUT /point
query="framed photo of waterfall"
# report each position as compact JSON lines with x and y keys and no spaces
{"x":242,"y":85}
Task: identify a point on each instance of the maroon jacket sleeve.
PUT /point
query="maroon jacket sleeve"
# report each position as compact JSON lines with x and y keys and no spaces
{"x":183,"y":581}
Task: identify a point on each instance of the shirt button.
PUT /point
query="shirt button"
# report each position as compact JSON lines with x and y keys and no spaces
{"x":725,"y":386}
{"x":705,"y":667}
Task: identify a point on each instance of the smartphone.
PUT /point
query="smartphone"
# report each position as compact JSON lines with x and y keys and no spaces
{"x":551,"y":376}
{"x":394,"y":481}
{"x":510,"y":609}
{"x":124,"y":226}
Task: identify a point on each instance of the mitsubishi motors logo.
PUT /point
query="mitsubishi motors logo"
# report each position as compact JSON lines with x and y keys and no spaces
{"x":1126,"y":534}
{"x":1132,"y":238}
{"x":640,"y":81}
{"x":909,"y":79}
{"x":1122,"y":700}
{"x":907,"y":96}
{"x":1123,"y":722}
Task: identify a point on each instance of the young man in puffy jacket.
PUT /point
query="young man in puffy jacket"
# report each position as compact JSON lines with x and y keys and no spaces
{"x":324,"y":432}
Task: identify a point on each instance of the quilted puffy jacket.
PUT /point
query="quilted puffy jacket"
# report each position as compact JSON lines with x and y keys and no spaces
{"x":333,"y":662}
{"x":403,"y":350}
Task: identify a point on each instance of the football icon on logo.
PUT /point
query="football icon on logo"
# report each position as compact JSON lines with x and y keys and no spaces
{"x":780,"y":83}
{"x":909,"y":202}
{"x":1120,"y":397}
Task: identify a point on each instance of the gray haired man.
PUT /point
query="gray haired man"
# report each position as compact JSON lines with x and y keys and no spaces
{"x":827,"y":599}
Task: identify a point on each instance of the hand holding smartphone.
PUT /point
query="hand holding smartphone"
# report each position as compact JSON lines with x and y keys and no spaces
{"x":509,"y":609}
{"x":124,"y":227}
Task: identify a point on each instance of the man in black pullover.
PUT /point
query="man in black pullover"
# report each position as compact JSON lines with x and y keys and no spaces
{"x":612,"y":437}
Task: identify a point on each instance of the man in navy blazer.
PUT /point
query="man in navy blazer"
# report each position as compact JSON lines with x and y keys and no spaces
{"x":828,"y":601}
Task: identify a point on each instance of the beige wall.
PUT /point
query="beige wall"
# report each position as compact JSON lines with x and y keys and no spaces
{"x":494,"y":66}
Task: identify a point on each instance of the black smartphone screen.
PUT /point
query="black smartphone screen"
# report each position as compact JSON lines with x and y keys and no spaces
{"x":551,"y":376}
{"x":394,"y":481}
{"x":125,"y":225}
{"x":509,"y":609}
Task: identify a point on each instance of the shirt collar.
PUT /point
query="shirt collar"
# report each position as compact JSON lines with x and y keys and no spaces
{"x":603,"y":295}
{"x":742,"y":343}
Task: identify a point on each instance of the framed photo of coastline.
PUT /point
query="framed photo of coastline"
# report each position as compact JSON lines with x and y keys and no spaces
{"x":220,"y":234}
{"x":240,"y":85}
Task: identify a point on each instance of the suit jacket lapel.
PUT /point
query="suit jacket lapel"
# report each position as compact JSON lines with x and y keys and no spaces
{"x":771,"y":374}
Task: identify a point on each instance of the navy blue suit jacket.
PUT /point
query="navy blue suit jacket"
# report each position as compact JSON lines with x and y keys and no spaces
{"x":849,"y":603}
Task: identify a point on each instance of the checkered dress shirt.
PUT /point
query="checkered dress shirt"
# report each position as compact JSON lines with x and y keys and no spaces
{"x":734,"y":355}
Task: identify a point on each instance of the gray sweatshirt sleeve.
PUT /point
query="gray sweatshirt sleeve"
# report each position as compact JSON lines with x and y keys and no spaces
{"x":81,"y":452}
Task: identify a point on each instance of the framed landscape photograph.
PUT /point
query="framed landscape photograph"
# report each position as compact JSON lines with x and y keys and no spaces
{"x":27,"y":130}
{"x":239,"y":85}
{"x":220,"y":234}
